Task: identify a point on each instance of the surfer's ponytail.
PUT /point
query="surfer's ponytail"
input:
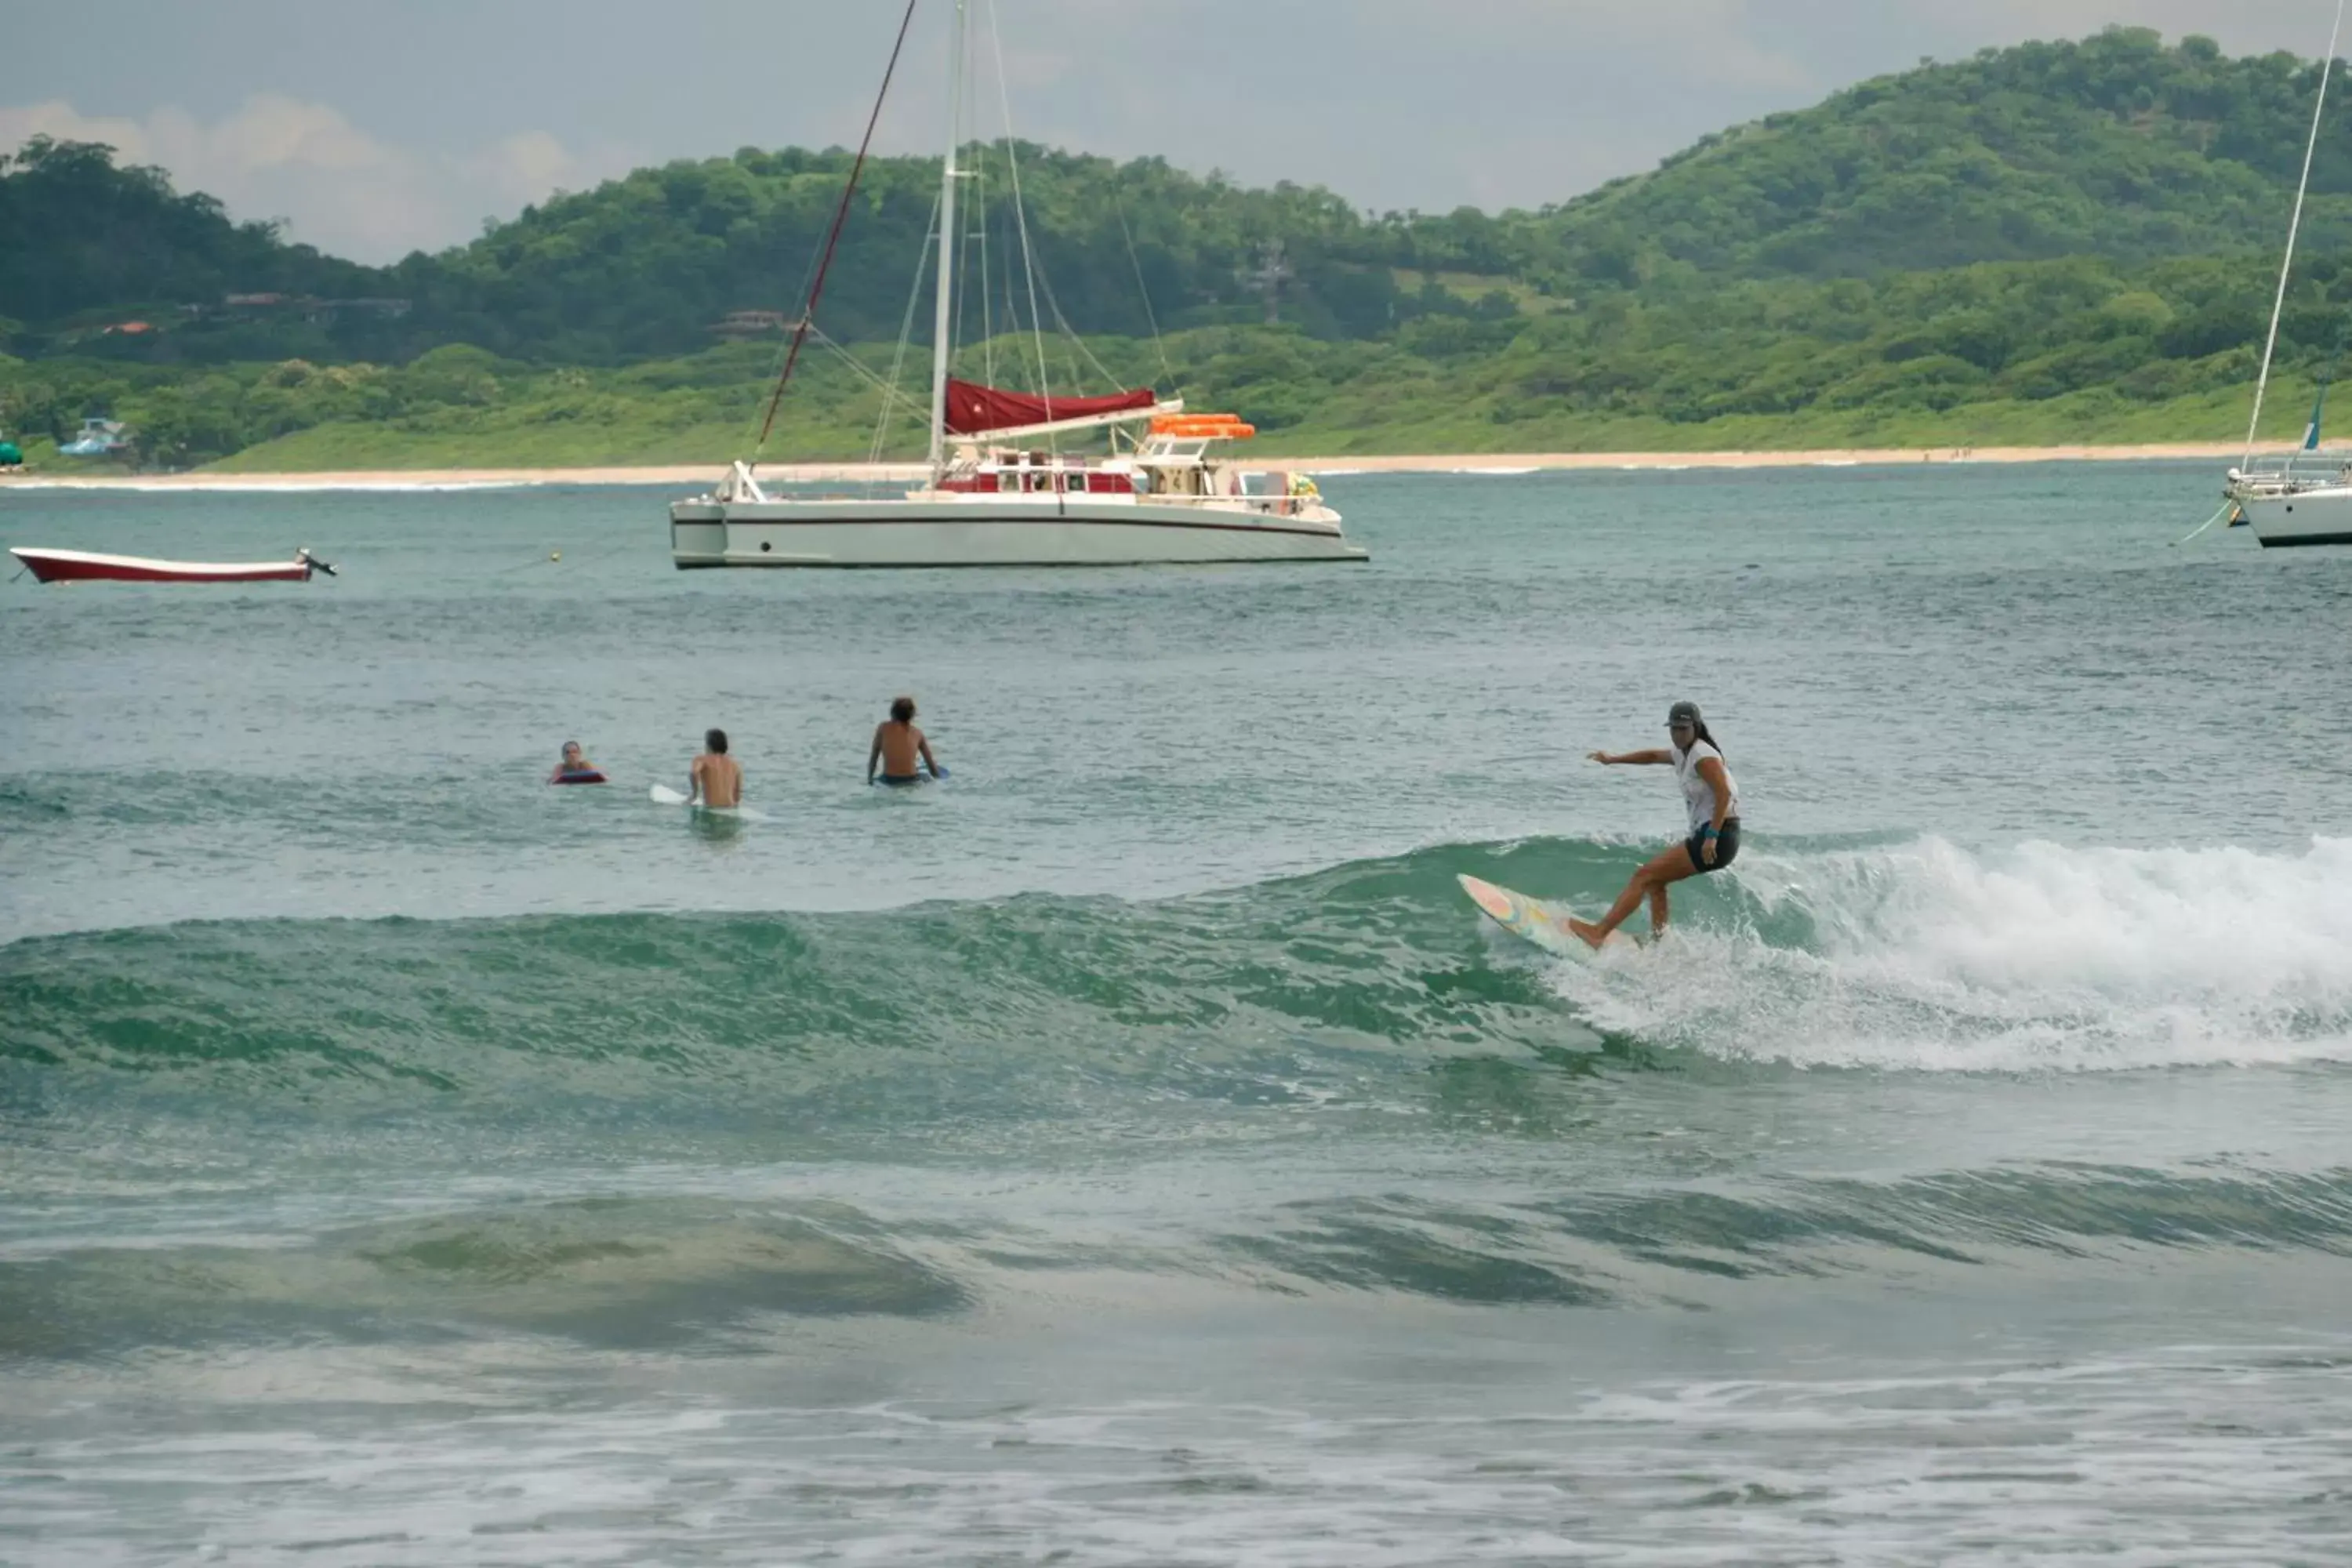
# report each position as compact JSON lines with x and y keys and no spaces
{"x":1698,"y":731}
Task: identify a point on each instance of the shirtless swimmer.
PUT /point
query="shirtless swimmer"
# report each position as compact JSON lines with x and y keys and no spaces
{"x":896,"y":746}
{"x":715,"y":780}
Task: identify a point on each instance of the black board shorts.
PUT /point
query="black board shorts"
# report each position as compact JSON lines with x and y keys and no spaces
{"x":1727,"y":847}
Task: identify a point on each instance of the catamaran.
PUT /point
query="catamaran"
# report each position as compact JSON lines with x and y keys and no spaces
{"x":2304,"y":496}
{"x":998,"y":489}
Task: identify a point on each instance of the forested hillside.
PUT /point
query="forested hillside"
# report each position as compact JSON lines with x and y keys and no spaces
{"x":85,"y":242}
{"x":2078,"y":349}
{"x":2115,"y":146}
{"x":644,"y":263}
{"x":2077,"y":235}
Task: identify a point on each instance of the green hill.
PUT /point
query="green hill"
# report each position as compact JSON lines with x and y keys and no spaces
{"x":85,"y":244}
{"x":2068,"y":238}
{"x":646,"y":264}
{"x":2079,"y":349}
{"x":2115,"y":146}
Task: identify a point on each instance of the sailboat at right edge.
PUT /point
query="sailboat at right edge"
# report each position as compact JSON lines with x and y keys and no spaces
{"x":2302,"y":497}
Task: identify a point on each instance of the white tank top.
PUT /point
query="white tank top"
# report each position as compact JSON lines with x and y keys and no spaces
{"x":1697,"y":794}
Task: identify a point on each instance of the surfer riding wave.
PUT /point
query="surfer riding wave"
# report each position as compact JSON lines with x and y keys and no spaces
{"x":1713,"y":802}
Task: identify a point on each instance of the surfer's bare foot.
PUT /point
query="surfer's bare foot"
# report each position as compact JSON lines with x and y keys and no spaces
{"x":1590,"y":934}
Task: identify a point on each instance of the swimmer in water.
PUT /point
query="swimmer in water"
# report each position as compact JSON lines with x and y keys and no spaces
{"x":573,"y":762}
{"x":715,"y":779}
{"x":897,"y":745}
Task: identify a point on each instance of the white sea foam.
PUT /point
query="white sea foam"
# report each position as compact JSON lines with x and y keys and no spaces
{"x":2037,"y":957}
{"x":2203,"y":1455}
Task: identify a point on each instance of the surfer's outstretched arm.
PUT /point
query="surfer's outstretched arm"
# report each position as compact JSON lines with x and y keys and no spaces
{"x":1632,"y":759}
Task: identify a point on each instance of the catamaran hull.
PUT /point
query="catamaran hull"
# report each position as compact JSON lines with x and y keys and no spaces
{"x":979,"y":532}
{"x":84,"y":566}
{"x":2307,"y":516}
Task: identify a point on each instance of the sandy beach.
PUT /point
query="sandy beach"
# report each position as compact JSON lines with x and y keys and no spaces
{"x":1470,"y":462}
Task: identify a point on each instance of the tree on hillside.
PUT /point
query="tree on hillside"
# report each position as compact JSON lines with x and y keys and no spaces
{"x":79,"y":234}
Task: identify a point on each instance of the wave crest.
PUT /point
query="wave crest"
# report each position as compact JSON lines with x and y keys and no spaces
{"x":1335,"y":985}
{"x":2039,"y":956}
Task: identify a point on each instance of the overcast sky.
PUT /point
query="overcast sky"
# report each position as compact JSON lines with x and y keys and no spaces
{"x":375,"y":127}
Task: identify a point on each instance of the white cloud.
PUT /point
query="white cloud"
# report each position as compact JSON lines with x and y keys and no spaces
{"x":1392,"y":103}
{"x":336,"y":186}
{"x":532,"y":162}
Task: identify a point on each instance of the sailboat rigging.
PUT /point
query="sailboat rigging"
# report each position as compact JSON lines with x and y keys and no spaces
{"x":988,"y":499}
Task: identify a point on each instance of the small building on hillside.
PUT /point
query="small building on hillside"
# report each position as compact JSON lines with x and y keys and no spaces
{"x":313,"y":308}
{"x":386,"y":309}
{"x":100,"y":438}
{"x":753,"y":324}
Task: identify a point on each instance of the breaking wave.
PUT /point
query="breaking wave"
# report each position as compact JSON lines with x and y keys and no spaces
{"x":1916,"y":957}
{"x":1925,"y":956}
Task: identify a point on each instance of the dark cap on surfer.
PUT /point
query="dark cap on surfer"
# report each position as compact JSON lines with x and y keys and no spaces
{"x":898,"y":746}
{"x":1712,"y":802}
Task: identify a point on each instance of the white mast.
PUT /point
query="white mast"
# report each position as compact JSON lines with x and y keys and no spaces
{"x":939,"y":318}
{"x":2278,"y":306}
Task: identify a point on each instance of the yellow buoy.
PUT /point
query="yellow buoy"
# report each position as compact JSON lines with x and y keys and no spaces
{"x":555,"y":555}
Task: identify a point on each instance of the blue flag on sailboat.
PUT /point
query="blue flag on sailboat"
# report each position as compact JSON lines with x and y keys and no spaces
{"x":2311,"y":431}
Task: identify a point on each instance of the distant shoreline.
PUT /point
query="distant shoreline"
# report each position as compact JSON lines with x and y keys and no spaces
{"x":704,"y":474}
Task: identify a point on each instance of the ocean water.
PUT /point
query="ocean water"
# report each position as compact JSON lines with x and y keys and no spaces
{"x":1135,"y":1151}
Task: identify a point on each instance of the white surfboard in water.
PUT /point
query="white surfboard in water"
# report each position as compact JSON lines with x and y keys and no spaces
{"x":665,"y":795}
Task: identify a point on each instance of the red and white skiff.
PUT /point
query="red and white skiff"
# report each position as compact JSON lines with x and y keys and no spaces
{"x":82,"y":566}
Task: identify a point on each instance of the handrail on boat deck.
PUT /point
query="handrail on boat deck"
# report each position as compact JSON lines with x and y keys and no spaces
{"x":2290,"y":473}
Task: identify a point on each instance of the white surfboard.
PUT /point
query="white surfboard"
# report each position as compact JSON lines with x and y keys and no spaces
{"x":664,"y":795}
{"x":1532,"y":919}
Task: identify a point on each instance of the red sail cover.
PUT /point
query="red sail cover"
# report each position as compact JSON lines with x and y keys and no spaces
{"x":975,"y":409}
